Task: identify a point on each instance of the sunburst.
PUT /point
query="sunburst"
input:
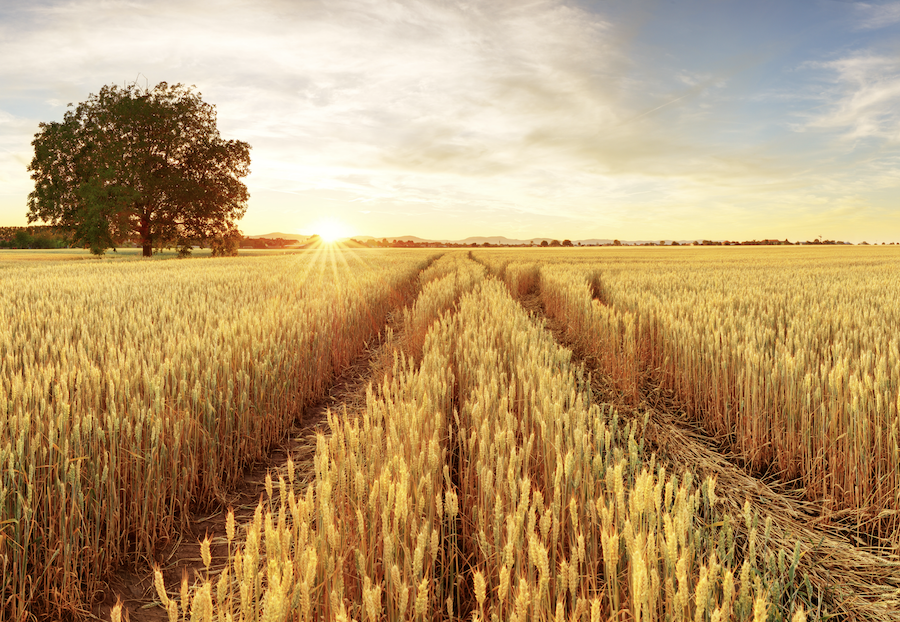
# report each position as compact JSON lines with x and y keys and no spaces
{"x":331,"y":230}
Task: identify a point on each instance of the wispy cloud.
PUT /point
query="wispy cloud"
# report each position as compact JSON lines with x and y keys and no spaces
{"x":470,"y":89}
{"x":15,"y":155}
{"x":864,"y":98}
{"x":479,"y":111}
{"x":875,"y":16}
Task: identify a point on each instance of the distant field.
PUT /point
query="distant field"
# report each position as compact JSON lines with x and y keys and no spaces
{"x":59,"y":254}
{"x":65,"y":254}
{"x":504,"y":467}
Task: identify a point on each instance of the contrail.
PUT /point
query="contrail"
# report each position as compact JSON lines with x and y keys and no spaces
{"x":646,"y":112}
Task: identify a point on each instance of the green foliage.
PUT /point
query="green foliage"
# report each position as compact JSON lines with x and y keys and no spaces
{"x":227,"y":244}
{"x":144,"y":164}
{"x":39,"y":237}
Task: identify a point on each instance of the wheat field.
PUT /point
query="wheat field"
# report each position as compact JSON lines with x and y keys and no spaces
{"x":791,"y":356}
{"x":133,"y":392}
{"x":494,"y":473}
{"x":482,"y":482}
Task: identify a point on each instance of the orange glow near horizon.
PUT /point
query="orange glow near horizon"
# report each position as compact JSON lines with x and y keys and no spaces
{"x":331,"y":230}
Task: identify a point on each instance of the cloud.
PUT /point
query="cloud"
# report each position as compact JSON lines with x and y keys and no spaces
{"x":864,"y":98}
{"x":15,"y":154}
{"x":875,"y":16}
{"x":477,"y":89}
{"x":543,"y":109}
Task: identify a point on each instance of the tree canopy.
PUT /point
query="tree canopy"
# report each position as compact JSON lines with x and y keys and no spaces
{"x":142,"y":164}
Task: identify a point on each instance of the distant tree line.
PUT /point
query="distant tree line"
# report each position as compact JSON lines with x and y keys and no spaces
{"x":394,"y":243}
{"x":263,"y":243}
{"x":768,"y":242}
{"x":35,"y":237}
{"x":49,"y":237}
{"x":386,"y":243}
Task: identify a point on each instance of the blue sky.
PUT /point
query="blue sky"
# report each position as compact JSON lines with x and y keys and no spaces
{"x":632,"y":120}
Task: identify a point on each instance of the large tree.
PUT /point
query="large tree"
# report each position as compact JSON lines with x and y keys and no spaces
{"x":142,"y":164}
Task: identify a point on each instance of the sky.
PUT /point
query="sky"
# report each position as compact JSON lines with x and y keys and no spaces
{"x":637,"y":120}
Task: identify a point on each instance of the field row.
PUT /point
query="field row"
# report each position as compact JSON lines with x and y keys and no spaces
{"x":483,"y":479}
{"x":791,"y":356}
{"x":482,"y":483}
{"x":131,"y":393}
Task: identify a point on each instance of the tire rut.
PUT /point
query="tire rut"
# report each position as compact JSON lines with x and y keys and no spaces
{"x":134,"y":585}
{"x":852,"y":582}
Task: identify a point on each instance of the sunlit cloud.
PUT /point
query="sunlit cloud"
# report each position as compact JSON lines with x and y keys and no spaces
{"x":15,"y":155}
{"x":448,"y":119}
{"x":865,"y":98}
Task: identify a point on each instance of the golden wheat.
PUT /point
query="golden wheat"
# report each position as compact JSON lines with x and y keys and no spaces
{"x":790,"y":354}
{"x":484,"y":484}
{"x":131,"y":392}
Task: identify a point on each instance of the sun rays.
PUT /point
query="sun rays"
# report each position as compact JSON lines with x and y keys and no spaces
{"x":331,"y":230}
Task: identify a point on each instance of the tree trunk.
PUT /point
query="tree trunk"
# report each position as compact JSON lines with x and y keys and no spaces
{"x":146,"y":240}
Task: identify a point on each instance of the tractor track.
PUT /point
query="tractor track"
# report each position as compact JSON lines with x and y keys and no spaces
{"x":133,"y":585}
{"x":852,"y":582}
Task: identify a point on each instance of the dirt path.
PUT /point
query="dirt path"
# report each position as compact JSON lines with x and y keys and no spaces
{"x":856,"y":583}
{"x":851,"y":581}
{"x":182,"y":557}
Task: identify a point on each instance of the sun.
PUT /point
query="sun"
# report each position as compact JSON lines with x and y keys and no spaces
{"x":331,"y":230}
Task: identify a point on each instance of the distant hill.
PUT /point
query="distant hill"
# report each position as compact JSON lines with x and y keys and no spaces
{"x":284,"y":236}
{"x":390,"y":238}
{"x":411,"y":238}
{"x":499,"y":239}
{"x":479,"y":240}
{"x":596,"y":241}
{"x":494,"y":239}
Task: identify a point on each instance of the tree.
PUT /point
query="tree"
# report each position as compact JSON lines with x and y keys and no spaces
{"x":544,"y":243}
{"x":226,"y":245}
{"x":567,"y":243}
{"x":143,"y":164}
